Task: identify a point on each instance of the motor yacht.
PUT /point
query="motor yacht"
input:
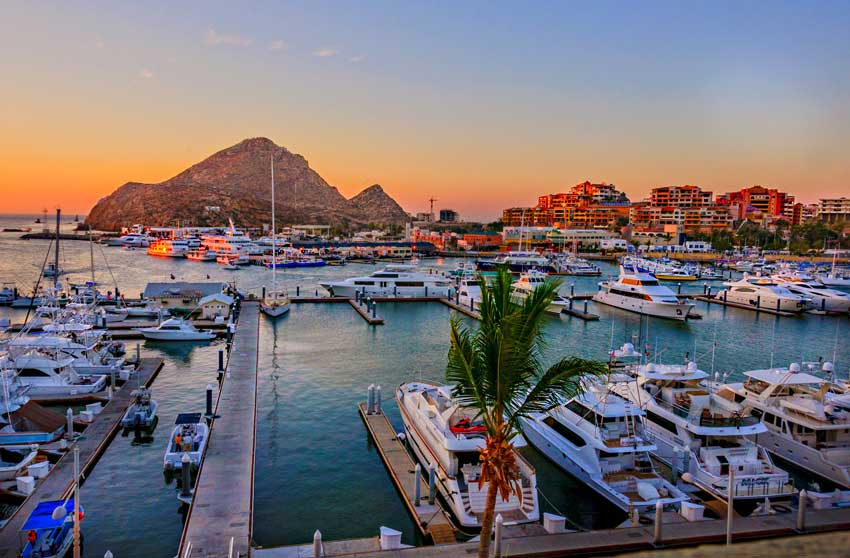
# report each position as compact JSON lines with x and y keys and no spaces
{"x":517,"y":262}
{"x":641,"y":292}
{"x":804,"y":425}
{"x":44,"y":375}
{"x":175,"y":329}
{"x":573,"y":265}
{"x":821,"y":297}
{"x":135,"y":239}
{"x":189,"y":437}
{"x":232,"y":258}
{"x":600,"y":438}
{"x":232,"y":241}
{"x":168,"y":248}
{"x":761,"y":292}
{"x":468,"y":292}
{"x":444,"y":434}
{"x":529,"y":281}
{"x":395,"y":280}
{"x":201,"y":255}
{"x":702,"y":434}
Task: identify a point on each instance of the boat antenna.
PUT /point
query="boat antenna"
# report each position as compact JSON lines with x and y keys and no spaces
{"x":773,"y":343}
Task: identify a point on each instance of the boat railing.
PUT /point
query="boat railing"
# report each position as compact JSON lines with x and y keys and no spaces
{"x":700,"y":419}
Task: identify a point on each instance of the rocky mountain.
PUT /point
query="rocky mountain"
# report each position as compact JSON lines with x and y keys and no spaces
{"x":236,"y":183}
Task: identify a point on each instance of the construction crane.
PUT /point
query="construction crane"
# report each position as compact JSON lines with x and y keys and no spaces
{"x":431,"y":201}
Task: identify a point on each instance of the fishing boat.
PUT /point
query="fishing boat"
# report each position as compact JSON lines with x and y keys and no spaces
{"x":142,"y":411}
{"x":50,"y":529}
{"x":600,"y":438}
{"x":189,"y":437}
{"x":449,"y":436}
{"x":530,"y":280}
{"x":804,"y":425}
{"x":175,"y":329}
{"x":48,"y":375}
{"x":641,"y":292}
{"x":275,"y":303}
{"x":14,"y":462}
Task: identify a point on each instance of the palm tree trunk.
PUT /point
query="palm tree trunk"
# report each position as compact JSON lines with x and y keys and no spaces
{"x":487,"y":522}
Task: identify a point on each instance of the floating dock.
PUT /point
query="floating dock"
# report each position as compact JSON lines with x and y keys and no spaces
{"x":431,"y":519}
{"x":59,"y":482}
{"x":465,"y":310}
{"x":371,"y":318}
{"x":222,"y":506}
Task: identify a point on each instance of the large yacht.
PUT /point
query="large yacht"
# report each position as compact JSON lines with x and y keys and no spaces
{"x":805,"y":426}
{"x":175,"y":329}
{"x":517,"y":262}
{"x":641,"y":292}
{"x":704,"y":435}
{"x":573,"y":265}
{"x":821,"y":297}
{"x":397,"y":280}
{"x":469,"y":291}
{"x":447,"y":435}
{"x":232,"y":241}
{"x":169,"y":248}
{"x":761,"y":292}
{"x":44,"y":375}
{"x":600,"y":438}
{"x":529,"y":281}
{"x":135,"y":239}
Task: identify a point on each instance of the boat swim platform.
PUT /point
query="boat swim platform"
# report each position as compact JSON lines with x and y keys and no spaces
{"x":616,"y":541}
{"x":59,"y":482}
{"x":432,"y":520}
{"x":222,"y":506}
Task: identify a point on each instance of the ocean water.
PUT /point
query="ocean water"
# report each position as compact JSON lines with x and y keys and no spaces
{"x":316,"y":467}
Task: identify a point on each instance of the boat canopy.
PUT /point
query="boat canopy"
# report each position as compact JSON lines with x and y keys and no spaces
{"x":783,"y":376}
{"x":42,"y":516}
{"x":188,"y":418}
{"x":679,"y":372}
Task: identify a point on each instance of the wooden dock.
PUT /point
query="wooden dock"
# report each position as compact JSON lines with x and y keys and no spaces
{"x":60,"y":480}
{"x":371,"y":318}
{"x":431,"y":519}
{"x":771,"y":311}
{"x":571,"y":310}
{"x":465,"y":310}
{"x":223,"y":502}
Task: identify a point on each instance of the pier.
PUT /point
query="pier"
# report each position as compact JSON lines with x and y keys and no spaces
{"x":222,"y":506}
{"x":430,"y":518}
{"x":759,"y":308}
{"x":59,"y":482}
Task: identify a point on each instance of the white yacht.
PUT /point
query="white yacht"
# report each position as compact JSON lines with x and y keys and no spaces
{"x":641,"y":292}
{"x":93,"y":357}
{"x":201,"y":255}
{"x":821,"y":297}
{"x":703,"y":434}
{"x":529,"y":281}
{"x":517,"y":262}
{"x":168,"y":248}
{"x":396,"y":280}
{"x":600,"y":438}
{"x":175,"y":329}
{"x":573,"y":265}
{"x":135,"y":239}
{"x":805,"y":426}
{"x":447,"y":435}
{"x":469,"y":291}
{"x":189,"y":437}
{"x":48,"y":376}
{"x":761,"y":292}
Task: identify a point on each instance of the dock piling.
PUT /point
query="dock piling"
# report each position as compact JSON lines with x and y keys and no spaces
{"x":370,"y":398}
{"x":221,"y":360}
{"x":185,"y":476}
{"x":69,"y":425}
{"x":585,"y":307}
{"x":801,"y":511}
{"x":730,"y":510}
{"x":432,"y":483}
{"x":374,"y":310}
{"x":317,"y":544}
{"x":659,"y":521}
{"x":417,"y":471}
{"x":497,"y":543}
{"x":378,"y":410}
{"x":138,"y":352}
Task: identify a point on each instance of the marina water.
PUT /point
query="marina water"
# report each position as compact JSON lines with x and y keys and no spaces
{"x":315,"y":465}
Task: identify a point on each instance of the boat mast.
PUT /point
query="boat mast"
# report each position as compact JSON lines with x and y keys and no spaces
{"x":91,"y":256}
{"x":56,"y":254}
{"x":274,"y":238}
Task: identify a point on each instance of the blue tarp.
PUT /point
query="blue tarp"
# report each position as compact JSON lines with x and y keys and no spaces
{"x":42,"y":515}
{"x":188,"y":418}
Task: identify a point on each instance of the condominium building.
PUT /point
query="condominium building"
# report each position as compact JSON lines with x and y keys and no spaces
{"x":586,"y":205}
{"x":756,"y":201}
{"x":833,"y":210}
{"x":687,"y":207}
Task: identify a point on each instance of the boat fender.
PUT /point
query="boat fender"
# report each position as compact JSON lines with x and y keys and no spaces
{"x":32,"y":536}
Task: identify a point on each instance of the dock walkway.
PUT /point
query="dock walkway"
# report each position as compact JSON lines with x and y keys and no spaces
{"x":722,"y":301}
{"x":60,"y":480}
{"x":431,"y":519}
{"x":223,"y":502}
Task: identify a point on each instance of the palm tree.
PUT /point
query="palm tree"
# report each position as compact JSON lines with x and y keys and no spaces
{"x":497,"y":370}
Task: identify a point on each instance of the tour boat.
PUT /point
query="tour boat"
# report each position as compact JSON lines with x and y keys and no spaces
{"x":232,"y":241}
{"x":704,"y":434}
{"x":448,"y":436}
{"x":529,"y":281}
{"x":600,"y":438}
{"x":804,"y":425}
{"x":189,"y":437}
{"x":395,"y":280}
{"x":175,"y":329}
{"x":201,"y":255}
{"x":275,"y":303}
{"x":50,"y":534}
{"x":641,"y":292}
{"x":517,"y":262}
{"x":142,"y":412}
{"x":168,"y":248}
{"x":821,"y":297}
{"x":761,"y":292}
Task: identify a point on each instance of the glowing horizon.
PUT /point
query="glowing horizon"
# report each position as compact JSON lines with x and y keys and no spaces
{"x":482,"y":108}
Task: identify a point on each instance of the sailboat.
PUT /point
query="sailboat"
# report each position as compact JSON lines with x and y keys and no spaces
{"x":275,"y":304}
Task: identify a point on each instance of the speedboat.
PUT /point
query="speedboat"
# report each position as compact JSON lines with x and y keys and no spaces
{"x":175,"y":329}
{"x":804,"y":425}
{"x":142,"y":412}
{"x":444,"y":434}
{"x":50,"y":534}
{"x":395,"y":280}
{"x":761,"y":292}
{"x":821,"y":297}
{"x":703,"y":434}
{"x":135,"y":240}
{"x":529,"y":281}
{"x":600,"y":438}
{"x":641,"y":292}
{"x":189,"y":437}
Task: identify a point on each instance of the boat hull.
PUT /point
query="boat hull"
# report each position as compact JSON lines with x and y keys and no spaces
{"x":176,"y":336}
{"x":646,"y":307}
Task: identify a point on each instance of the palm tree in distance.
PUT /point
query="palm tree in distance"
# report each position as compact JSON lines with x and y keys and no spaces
{"x":497,"y":370}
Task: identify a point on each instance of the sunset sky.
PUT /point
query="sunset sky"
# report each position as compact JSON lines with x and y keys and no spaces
{"x":483,"y":105}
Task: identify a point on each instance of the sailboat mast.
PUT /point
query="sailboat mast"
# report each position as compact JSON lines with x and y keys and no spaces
{"x":91,"y":256}
{"x":56,"y":254}
{"x":274,"y":237}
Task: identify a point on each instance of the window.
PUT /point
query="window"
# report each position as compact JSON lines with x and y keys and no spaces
{"x":32,"y":372}
{"x":565,"y":432}
{"x":409,"y":284}
{"x":662,"y":422}
{"x":364,"y":282}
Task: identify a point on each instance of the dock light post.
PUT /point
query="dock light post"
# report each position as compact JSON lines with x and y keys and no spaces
{"x":221,"y":360}
{"x":801,"y":511}
{"x":185,"y":476}
{"x":297,"y":290}
{"x":657,"y":535}
{"x":497,"y":543}
{"x":709,"y":291}
{"x":730,"y":501}
{"x":758,"y":301}
{"x":370,"y":399}
{"x":417,"y":487}
{"x":378,"y":410}
{"x":432,"y":483}
{"x":209,"y":415}
{"x":585,"y":307}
